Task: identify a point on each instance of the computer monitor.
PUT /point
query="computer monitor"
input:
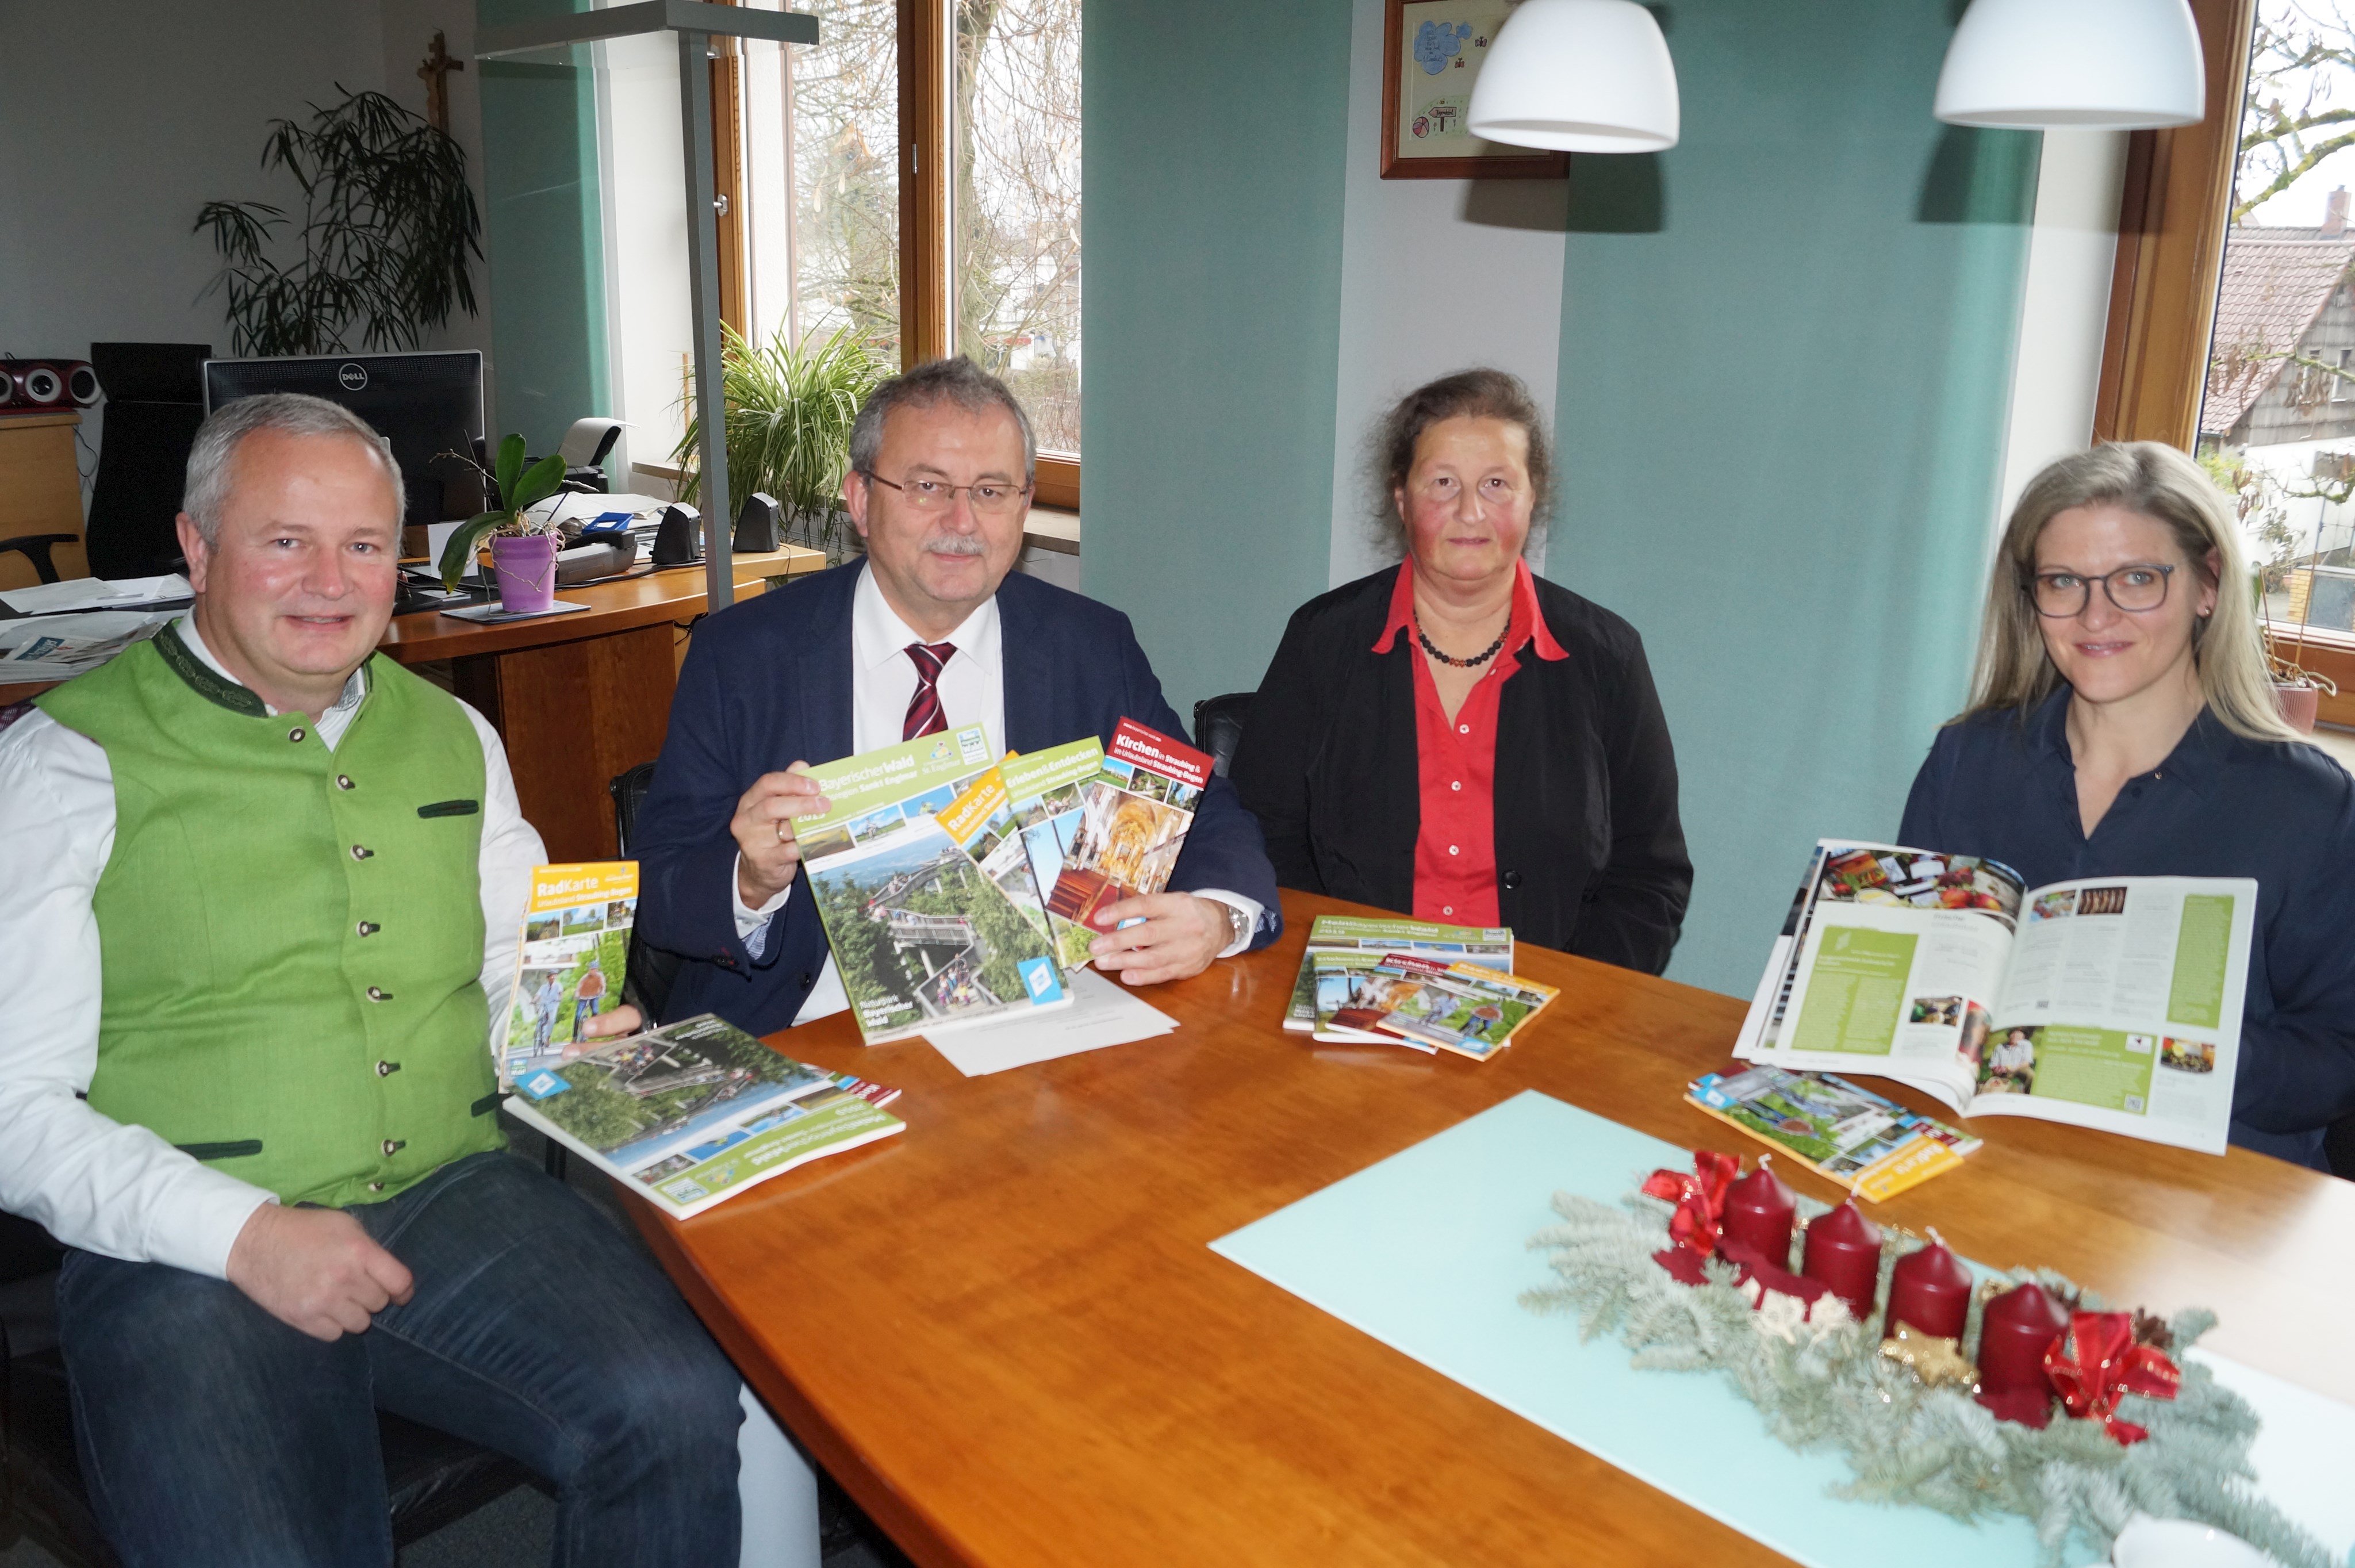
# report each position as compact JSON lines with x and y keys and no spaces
{"x":425,"y":404}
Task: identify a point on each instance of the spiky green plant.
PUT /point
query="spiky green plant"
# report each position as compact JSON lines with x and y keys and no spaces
{"x":388,"y":228}
{"x":789,"y":410}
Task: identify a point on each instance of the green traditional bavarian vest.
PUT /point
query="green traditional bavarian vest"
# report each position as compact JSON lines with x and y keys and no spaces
{"x":292,"y":937}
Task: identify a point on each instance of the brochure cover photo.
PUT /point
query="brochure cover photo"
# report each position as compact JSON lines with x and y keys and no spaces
{"x":697,"y":1109}
{"x":1133,"y":814}
{"x":1043,"y":792}
{"x":923,"y":937}
{"x":570,"y":962}
{"x":1366,"y":942}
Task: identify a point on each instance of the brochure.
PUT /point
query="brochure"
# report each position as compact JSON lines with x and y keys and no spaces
{"x":1369,"y":941}
{"x":570,"y":961}
{"x":922,"y":939}
{"x":2108,"y":1002}
{"x":697,"y":1111}
{"x":1845,"y":1133}
{"x":1043,"y":792}
{"x":1134,"y":814}
{"x":1406,"y":999}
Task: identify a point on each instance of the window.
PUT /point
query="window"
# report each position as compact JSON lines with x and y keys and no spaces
{"x":2280,"y":380}
{"x":915,"y":177}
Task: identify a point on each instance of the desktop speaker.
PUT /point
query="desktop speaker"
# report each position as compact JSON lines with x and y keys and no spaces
{"x":679,"y":539}
{"x":28,"y":384}
{"x":756,"y":524}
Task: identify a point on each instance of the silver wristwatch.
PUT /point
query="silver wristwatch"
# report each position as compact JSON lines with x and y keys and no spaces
{"x":1239,"y":922}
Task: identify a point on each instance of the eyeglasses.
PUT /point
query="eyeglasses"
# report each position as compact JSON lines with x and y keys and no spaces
{"x":2133,"y":589}
{"x":991,"y":498}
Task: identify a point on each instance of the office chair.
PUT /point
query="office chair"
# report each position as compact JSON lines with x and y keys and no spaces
{"x":652,"y":971}
{"x":1219,"y":727}
{"x":155,"y":402}
{"x":430,"y":1477}
{"x":35,"y":548}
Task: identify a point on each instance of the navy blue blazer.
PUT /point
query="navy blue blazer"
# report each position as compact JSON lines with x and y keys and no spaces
{"x":767,"y":684}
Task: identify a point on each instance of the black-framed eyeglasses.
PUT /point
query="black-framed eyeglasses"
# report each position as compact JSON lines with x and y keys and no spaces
{"x":2135,"y":589}
{"x":990,"y":498}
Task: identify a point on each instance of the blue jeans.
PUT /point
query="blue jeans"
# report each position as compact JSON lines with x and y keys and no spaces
{"x":211,"y":1433}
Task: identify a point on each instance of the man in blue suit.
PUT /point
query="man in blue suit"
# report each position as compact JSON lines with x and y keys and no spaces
{"x":929,"y":632}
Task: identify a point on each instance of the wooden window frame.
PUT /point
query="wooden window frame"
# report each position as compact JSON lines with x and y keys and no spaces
{"x":2173,"y":215}
{"x":925,"y":236}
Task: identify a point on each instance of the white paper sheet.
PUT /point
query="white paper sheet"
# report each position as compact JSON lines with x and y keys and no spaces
{"x":59,"y":647}
{"x":95,"y":593}
{"x":1103,"y":1012}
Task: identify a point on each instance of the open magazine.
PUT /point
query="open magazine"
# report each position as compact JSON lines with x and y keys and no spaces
{"x":570,"y":961}
{"x":923,"y":937}
{"x":1133,"y":814}
{"x":2108,"y":1002}
{"x":696,"y":1111}
{"x":1360,"y":943}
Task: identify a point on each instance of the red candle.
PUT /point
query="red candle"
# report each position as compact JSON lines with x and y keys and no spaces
{"x":1759,"y":1213}
{"x":2015,"y":1331}
{"x":1931,"y":1290}
{"x":1843,"y":1251}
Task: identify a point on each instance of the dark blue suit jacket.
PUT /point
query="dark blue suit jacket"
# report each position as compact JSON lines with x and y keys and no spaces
{"x":767,"y":684}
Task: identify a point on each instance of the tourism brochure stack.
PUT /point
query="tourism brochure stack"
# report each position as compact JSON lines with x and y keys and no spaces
{"x":1424,"y":1003}
{"x":687,"y":1113}
{"x":2107,"y":1002}
{"x":1352,"y":942}
{"x":1841,"y":1131}
{"x":925,"y":937}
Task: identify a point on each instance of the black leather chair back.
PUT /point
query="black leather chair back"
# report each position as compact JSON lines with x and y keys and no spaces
{"x":155,"y":402}
{"x":653,"y":972}
{"x":1219,"y":726}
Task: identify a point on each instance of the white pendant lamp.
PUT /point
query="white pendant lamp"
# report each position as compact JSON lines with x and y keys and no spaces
{"x":2122,"y":65}
{"x":1577,"y":76}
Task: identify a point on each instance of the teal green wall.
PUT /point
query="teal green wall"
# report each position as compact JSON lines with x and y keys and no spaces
{"x":544,"y":232}
{"x":1786,"y":349}
{"x":1211,"y":328}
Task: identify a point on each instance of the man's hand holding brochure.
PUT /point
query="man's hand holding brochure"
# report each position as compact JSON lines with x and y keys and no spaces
{"x":2107,"y":1002}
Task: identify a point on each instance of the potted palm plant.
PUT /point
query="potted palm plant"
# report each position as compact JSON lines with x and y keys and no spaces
{"x":523,"y":548}
{"x":789,"y":410}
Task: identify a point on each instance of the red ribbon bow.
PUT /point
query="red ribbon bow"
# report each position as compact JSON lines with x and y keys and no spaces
{"x":2098,"y":1363}
{"x":1699,"y":1196}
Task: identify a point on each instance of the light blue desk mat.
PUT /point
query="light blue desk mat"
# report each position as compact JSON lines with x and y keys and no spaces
{"x":1428,"y":1253}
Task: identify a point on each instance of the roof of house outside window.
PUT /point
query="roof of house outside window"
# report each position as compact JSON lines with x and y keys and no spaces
{"x":2275,"y":282}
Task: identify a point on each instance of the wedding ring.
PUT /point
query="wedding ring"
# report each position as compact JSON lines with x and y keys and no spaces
{"x":781,"y":830}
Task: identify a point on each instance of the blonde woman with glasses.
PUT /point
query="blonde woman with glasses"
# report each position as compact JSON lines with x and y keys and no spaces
{"x":2122,"y":722}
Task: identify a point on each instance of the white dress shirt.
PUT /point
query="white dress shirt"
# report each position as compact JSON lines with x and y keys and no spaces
{"x":972,"y":688}
{"x":97,"y":1183}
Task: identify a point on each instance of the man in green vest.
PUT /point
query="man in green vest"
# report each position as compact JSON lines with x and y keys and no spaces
{"x":263,"y":889}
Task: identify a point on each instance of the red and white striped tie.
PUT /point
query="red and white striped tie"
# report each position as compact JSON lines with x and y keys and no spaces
{"x":924,"y":716}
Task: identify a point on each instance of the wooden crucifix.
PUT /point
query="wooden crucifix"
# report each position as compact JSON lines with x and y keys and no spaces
{"x":436,"y":74}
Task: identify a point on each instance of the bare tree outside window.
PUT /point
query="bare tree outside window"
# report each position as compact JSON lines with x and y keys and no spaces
{"x":827,"y":131}
{"x":2277,"y":423}
{"x":1016,"y":118}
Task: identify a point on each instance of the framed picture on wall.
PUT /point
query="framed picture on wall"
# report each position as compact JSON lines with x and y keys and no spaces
{"x":1431,"y":51}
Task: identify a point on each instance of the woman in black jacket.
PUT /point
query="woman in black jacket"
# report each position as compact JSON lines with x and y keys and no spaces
{"x":1457,"y":739}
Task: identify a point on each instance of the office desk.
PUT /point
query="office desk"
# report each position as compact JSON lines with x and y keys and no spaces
{"x":581,"y":697}
{"x":578,"y":697}
{"x":1005,"y":1333}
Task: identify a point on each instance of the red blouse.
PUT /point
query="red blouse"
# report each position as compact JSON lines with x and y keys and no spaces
{"x":1455,"y":851}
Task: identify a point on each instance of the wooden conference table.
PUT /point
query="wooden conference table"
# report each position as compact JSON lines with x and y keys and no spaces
{"x":578,"y":697}
{"x":1004,"y":1332}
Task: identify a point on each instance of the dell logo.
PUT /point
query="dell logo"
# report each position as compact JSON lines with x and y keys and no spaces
{"x":350,"y":375}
